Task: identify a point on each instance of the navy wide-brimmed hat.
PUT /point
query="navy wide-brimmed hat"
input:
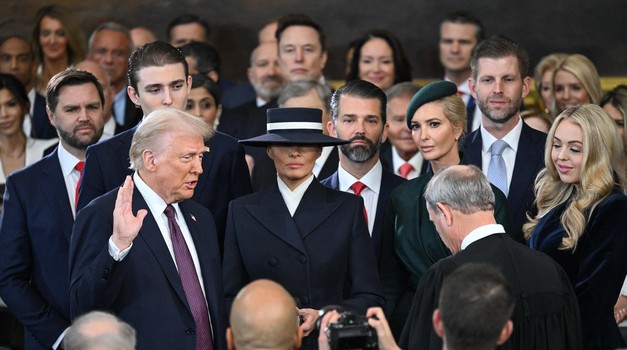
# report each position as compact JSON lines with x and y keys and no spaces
{"x":294,"y":126}
{"x":431,"y":92}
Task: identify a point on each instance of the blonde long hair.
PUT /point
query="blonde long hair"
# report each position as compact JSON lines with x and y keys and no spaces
{"x":600,"y":173}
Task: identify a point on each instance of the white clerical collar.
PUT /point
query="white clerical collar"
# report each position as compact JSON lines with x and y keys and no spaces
{"x":481,"y":232}
{"x":292,"y":198}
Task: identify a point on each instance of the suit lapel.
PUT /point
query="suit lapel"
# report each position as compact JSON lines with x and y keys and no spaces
{"x":151,"y":235}
{"x":330,"y":166}
{"x":276,"y":218}
{"x":313,"y":209}
{"x":472,"y":151}
{"x":525,"y":168}
{"x":56,"y":193}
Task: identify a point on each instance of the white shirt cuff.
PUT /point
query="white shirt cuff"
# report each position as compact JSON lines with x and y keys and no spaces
{"x":115,"y":252}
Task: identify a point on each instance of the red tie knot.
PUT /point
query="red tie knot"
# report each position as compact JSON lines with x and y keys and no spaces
{"x":357,"y":187}
{"x":405,"y":169}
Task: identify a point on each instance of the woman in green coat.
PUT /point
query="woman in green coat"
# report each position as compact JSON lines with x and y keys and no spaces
{"x":436,"y":117}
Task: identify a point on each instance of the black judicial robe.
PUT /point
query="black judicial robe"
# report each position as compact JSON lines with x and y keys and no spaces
{"x":546,"y":315}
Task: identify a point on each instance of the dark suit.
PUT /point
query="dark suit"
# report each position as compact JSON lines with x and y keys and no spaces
{"x":389,"y":182}
{"x":34,"y":247}
{"x":321,"y":255}
{"x":546,"y":315}
{"x":237,"y":95}
{"x":40,"y":124}
{"x":132,"y":115}
{"x":264,"y":172}
{"x":224,"y":178}
{"x":529,"y":161}
{"x":245,"y":121}
{"x":144,"y":289}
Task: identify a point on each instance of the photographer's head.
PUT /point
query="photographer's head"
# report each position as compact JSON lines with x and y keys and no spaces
{"x":263,"y":316}
{"x":475,"y":308}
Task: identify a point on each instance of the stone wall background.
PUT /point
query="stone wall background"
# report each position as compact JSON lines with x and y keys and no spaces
{"x":593,"y":28}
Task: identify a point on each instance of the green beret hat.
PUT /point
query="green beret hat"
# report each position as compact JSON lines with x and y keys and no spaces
{"x":431,"y":92}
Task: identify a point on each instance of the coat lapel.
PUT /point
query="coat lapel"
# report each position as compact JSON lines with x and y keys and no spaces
{"x":151,"y":235}
{"x":313,"y":209}
{"x":525,"y":169}
{"x":56,"y":194}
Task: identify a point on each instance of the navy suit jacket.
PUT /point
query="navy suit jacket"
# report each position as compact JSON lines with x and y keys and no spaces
{"x":529,"y":161}
{"x":144,"y":289}
{"x":225,"y":173}
{"x":35,"y":231}
{"x":132,"y":116}
{"x":389,"y":182}
{"x":321,"y":255}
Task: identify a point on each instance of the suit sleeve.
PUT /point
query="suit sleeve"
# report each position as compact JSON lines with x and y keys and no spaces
{"x":92,"y":182}
{"x":365,"y":286}
{"x":394,"y":277}
{"x":602,"y":263}
{"x":43,"y":321}
{"x":95,"y":277}
{"x":233,"y":270}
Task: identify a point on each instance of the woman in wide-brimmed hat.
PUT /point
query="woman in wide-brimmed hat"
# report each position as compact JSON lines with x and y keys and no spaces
{"x":311,"y":239}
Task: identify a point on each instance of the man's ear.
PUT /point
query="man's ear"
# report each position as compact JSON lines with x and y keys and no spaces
{"x":230,"y":341}
{"x":50,"y":116}
{"x":331,"y":128}
{"x":446,"y":211}
{"x":148,"y":160}
{"x":132,"y":94}
{"x":438,"y":325}
{"x":298,"y":338}
{"x":506,"y":332}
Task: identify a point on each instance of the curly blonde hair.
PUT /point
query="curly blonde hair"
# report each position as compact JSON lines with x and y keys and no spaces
{"x":600,"y":174}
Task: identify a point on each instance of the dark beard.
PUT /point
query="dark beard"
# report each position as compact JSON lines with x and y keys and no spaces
{"x":71,"y":139}
{"x":360,"y":154}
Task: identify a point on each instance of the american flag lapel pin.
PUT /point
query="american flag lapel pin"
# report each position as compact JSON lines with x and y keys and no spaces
{"x":193,"y":217}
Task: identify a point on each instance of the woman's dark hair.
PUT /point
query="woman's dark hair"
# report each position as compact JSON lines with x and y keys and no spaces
{"x":402,"y":68}
{"x":201,"y":80}
{"x":17,"y":89}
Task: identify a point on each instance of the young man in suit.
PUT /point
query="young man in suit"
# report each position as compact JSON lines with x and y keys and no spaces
{"x":499,"y":83}
{"x":158,"y":77}
{"x":358,"y":114}
{"x":39,"y":209}
{"x":148,"y":253}
{"x":461,"y":203}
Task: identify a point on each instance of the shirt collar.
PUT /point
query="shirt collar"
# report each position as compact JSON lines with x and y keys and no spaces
{"x":481,"y":232}
{"x":292,"y":198}
{"x":155,"y":203}
{"x":372,"y":179}
{"x":67,"y":160}
{"x":511,"y":138}
{"x":415,"y":161}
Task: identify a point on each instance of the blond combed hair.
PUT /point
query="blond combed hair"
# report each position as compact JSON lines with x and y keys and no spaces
{"x":602,"y":150}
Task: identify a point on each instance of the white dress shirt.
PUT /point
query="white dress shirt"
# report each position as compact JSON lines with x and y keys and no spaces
{"x":70,"y":174}
{"x":370,"y":194}
{"x":509,"y":154}
{"x":481,"y":232}
{"x":415,"y":161}
{"x":109,"y":129}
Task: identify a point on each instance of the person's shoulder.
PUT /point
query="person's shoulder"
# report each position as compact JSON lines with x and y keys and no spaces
{"x":120,"y":140}
{"x":31,"y":170}
{"x":391,"y":178}
{"x":100,"y":203}
{"x":412,"y":187}
{"x":222,"y":140}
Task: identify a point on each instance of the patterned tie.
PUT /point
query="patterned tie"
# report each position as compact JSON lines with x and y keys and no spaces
{"x":358,"y":187}
{"x":497,"y":172}
{"x":191,"y":284}
{"x":79,"y":166}
{"x":405,"y":169}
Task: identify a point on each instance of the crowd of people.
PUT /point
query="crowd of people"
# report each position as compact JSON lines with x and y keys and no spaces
{"x":150,"y":202}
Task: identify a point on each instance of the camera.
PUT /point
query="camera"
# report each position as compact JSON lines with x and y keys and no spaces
{"x":351,"y":331}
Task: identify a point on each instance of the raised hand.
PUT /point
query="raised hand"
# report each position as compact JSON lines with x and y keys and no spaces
{"x":126,"y":226}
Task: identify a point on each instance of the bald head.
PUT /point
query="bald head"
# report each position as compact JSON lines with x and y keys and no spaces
{"x":263,"y":316}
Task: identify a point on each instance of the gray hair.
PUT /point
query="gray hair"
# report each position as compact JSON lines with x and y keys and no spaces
{"x":123,"y":338}
{"x":113,"y":26}
{"x":302,"y":87}
{"x":149,"y":133}
{"x":464,"y":188}
{"x":406,"y":88}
